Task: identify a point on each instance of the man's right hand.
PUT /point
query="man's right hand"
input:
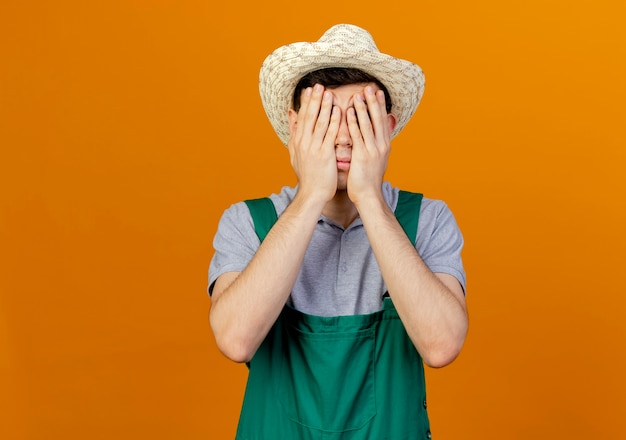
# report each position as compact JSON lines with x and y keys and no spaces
{"x":312,"y":144}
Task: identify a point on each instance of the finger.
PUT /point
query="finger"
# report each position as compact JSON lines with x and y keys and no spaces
{"x":376,"y":109}
{"x":353,"y":127}
{"x":363,"y":117}
{"x":333,"y":128}
{"x":304,"y":103}
{"x":312,"y":109}
{"x":382,"y":104}
{"x":323,"y":119}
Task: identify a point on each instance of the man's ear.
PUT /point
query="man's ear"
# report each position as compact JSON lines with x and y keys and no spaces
{"x":293,"y":121}
{"x":391,"y":121}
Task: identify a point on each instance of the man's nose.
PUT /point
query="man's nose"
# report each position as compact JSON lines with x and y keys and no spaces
{"x":343,"y":138}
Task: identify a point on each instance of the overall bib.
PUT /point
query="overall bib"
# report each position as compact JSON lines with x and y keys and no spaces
{"x":353,"y":377}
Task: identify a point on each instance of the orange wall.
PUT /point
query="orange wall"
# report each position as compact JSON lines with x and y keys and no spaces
{"x":126,"y":127}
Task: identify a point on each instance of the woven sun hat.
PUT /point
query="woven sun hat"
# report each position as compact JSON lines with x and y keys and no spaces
{"x":342,"y":45}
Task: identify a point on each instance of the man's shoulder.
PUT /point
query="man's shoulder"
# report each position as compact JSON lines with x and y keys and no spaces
{"x":283,"y":198}
{"x":280,"y":200}
{"x":429,"y":206}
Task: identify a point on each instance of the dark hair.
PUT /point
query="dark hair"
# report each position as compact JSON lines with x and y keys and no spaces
{"x":335,"y":77}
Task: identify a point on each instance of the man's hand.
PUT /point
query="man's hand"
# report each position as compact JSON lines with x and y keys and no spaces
{"x":312,"y":144}
{"x":246,"y":304}
{"x":370,"y":129}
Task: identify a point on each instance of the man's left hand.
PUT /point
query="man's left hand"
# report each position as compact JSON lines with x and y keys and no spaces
{"x":370,"y":129}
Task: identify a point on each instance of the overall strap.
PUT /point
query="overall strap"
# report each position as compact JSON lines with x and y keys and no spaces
{"x":263,"y":215}
{"x":407,"y":212}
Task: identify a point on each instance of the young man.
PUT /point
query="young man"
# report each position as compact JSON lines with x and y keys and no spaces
{"x":330,"y":291}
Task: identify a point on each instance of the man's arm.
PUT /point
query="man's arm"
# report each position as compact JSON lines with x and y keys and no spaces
{"x":245,"y":305}
{"x":431,"y":306}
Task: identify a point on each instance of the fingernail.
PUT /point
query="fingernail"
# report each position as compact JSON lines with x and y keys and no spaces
{"x":318,"y":87}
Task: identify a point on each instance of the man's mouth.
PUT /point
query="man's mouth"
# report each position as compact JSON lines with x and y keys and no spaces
{"x":343,"y":164}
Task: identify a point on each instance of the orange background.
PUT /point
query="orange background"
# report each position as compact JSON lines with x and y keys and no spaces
{"x":126,"y":127}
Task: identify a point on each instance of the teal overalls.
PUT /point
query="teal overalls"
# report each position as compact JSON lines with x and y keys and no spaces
{"x":329,"y":378}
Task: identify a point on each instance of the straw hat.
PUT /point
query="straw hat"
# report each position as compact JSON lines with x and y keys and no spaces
{"x":343,"y":45}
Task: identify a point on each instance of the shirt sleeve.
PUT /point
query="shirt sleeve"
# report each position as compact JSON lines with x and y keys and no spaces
{"x":235,"y":243}
{"x":439,"y":240}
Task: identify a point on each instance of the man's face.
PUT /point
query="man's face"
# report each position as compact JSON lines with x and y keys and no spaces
{"x":343,"y":98}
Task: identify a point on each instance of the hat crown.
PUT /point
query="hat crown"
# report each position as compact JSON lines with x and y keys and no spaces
{"x":344,"y":34}
{"x":341,"y":46}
